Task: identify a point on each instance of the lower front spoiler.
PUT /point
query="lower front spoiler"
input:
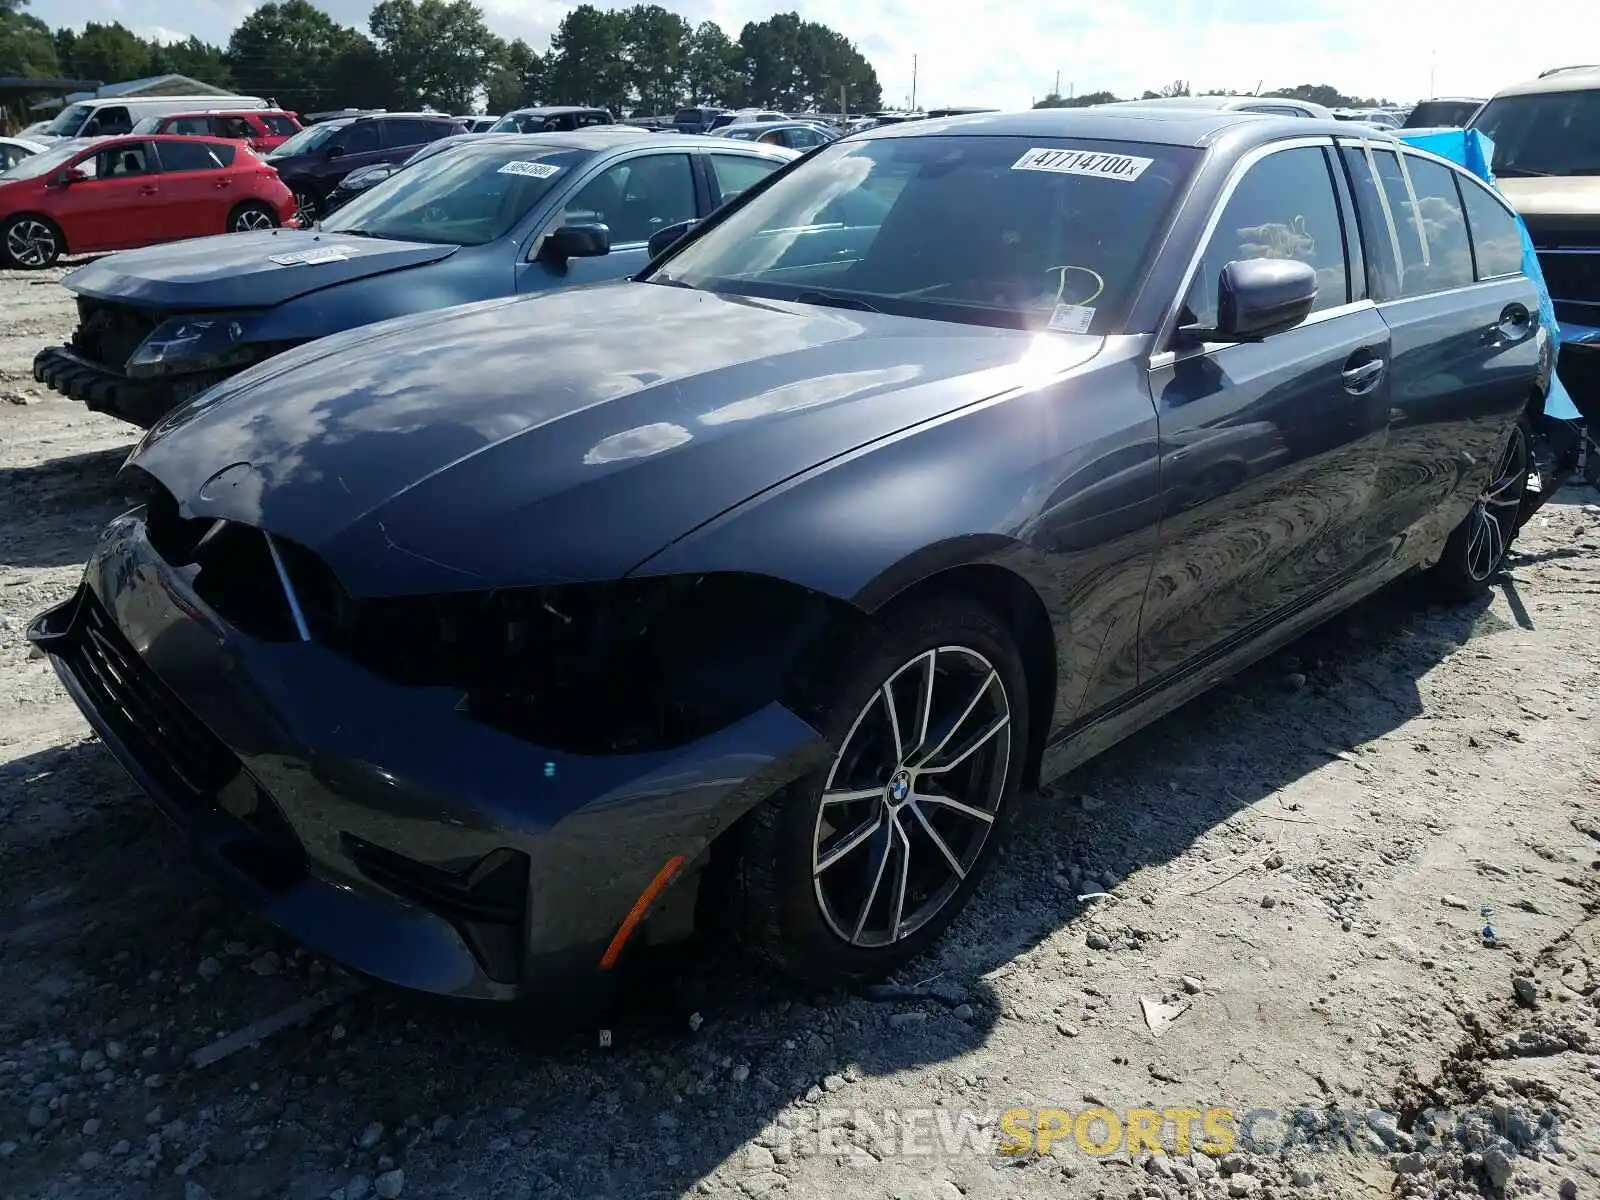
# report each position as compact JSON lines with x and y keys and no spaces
{"x":409,"y":947}
{"x":100,"y":388}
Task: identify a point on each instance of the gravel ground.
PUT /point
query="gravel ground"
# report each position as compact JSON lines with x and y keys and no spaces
{"x":1272,"y":902}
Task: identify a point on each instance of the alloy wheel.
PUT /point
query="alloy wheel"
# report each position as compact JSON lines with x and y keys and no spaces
{"x":1492,"y":523}
{"x":305,"y":209}
{"x":252,"y":219}
{"x":31,"y":243}
{"x":912,"y":797}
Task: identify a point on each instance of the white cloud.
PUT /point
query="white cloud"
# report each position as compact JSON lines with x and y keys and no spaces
{"x":1007,"y":54}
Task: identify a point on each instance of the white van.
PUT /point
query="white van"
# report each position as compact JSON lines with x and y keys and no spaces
{"x":115,"y":115}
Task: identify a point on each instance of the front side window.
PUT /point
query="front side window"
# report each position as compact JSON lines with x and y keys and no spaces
{"x":360,"y":138}
{"x":109,"y":121}
{"x":235,"y":127}
{"x":1557,"y":133}
{"x":1496,"y":235}
{"x":131,"y":158}
{"x":636,"y":198}
{"x":1284,"y":207}
{"x":988,"y":230}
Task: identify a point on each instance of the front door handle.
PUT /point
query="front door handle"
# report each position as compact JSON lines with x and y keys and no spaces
{"x":148,"y":190}
{"x":1365,"y":377}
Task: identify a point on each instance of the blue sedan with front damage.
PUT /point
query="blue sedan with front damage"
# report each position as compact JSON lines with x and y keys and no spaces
{"x":493,"y":215}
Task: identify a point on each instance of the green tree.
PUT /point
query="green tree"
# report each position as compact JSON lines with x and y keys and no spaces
{"x":110,"y":53}
{"x":794,"y":65}
{"x":655,"y":44}
{"x":711,"y":66}
{"x":293,"y":52}
{"x":514,"y":82}
{"x":26,"y":47}
{"x":194,"y":58}
{"x":585,"y":65}
{"x":1087,"y":100}
{"x":439,"y":52}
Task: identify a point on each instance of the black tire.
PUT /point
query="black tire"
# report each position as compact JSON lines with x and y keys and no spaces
{"x":795,"y":916}
{"x":251,"y":217}
{"x":1477,"y":548}
{"x":31,"y":242}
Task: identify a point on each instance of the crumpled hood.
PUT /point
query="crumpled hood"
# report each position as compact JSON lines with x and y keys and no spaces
{"x":244,"y":270}
{"x":563,"y":436}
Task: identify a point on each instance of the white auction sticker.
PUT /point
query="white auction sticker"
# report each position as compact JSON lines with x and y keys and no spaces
{"x":1124,"y":168}
{"x":533,"y":170}
{"x":310,"y":258}
{"x":1071,"y":318}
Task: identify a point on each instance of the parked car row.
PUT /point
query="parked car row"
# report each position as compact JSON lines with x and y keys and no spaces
{"x":483,"y":645}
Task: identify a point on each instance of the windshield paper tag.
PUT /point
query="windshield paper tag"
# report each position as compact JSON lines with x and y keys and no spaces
{"x":1124,"y":168}
{"x":1071,"y":318}
{"x":310,"y":258}
{"x":533,"y":170}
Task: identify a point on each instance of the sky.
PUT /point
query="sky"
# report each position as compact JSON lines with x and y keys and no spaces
{"x":1006,"y":54}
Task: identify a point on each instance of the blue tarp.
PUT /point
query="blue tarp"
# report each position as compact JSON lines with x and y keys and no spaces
{"x":1475,"y":152}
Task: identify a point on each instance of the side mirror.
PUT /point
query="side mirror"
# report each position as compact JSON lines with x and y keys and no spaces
{"x":1258,"y":297}
{"x":72,"y":175}
{"x":576,"y":241}
{"x":663,"y":240}
{"x":335,"y":151}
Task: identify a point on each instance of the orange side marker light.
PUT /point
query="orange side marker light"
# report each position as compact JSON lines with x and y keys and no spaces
{"x":637,"y":913}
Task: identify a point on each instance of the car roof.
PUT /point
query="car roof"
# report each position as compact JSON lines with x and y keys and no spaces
{"x":600,"y":137}
{"x":555,"y":110}
{"x":1566,"y":79}
{"x":1158,"y":124}
{"x":767,"y":125}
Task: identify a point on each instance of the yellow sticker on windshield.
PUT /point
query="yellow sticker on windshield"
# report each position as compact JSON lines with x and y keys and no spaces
{"x":1124,"y":168}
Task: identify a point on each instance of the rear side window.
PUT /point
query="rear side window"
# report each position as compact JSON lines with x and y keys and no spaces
{"x":1284,"y":207}
{"x":1435,"y":219}
{"x":1496,"y":237}
{"x":190,"y":126}
{"x":194,"y":156}
{"x":415,"y":133}
{"x":280,"y":126}
{"x":737,"y":172}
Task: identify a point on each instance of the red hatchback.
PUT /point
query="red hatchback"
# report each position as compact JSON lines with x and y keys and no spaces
{"x":261,"y":129}
{"x":118,"y":193}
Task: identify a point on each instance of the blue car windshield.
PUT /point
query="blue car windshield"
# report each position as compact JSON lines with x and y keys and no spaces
{"x":1016,"y":232}
{"x":468,"y":196}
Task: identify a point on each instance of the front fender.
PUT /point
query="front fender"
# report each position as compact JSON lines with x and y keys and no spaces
{"x":367,"y":301}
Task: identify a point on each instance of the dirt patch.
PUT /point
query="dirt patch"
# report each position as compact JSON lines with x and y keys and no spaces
{"x":1290,"y":880}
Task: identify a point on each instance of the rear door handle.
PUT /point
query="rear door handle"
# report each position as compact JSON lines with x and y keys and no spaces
{"x":1365,"y":377}
{"x":149,"y":190}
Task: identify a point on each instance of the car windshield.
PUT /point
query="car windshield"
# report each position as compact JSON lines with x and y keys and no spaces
{"x":69,"y":120}
{"x":1006,"y":231}
{"x":523,"y":123}
{"x":466,"y":198}
{"x":44,"y":162}
{"x":307,"y":139}
{"x":1556,"y":133}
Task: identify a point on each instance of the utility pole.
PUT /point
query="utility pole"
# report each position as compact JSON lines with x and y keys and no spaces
{"x":1433,"y":74}
{"x":1057,"y":89}
{"x":913,"y":83}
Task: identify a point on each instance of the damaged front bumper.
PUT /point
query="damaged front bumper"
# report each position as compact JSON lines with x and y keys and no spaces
{"x":379,"y":824}
{"x":140,"y":402}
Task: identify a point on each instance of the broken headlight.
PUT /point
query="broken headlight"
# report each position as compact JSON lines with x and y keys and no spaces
{"x":188,"y":344}
{"x":594,"y":668}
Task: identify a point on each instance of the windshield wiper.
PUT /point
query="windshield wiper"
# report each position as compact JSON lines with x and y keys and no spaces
{"x":1515,"y":172}
{"x":835,"y":300}
{"x":667,"y":281}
